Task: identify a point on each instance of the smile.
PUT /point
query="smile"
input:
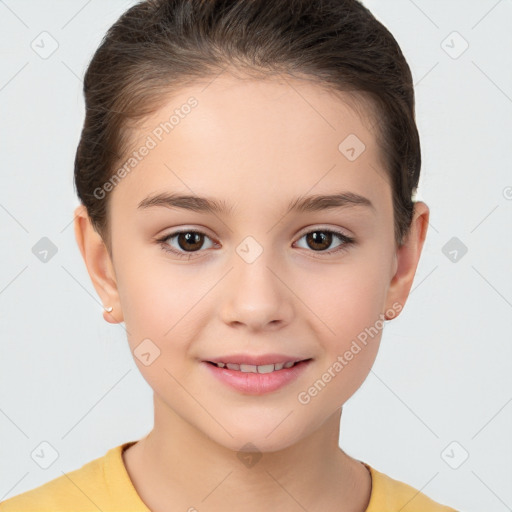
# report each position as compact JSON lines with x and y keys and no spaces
{"x":257,"y":379}
{"x":251,"y":368}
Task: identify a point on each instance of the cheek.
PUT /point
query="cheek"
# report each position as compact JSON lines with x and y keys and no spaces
{"x":351,"y":297}
{"x":350,"y":334}
{"x":348,"y":304}
{"x":156,"y":311}
{"x":154,"y":302}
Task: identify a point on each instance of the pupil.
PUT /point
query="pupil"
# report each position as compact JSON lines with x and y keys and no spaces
{"x":318,"y":239}
{"x":190,"y":238}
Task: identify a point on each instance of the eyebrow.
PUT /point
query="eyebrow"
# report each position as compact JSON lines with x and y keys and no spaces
{"x":300,"y":204}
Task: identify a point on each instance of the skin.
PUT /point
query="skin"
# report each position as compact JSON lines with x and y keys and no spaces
{"x":256,"y":144}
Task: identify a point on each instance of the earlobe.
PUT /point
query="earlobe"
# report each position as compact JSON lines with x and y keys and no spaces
{"x":407,"y":258}
{"x":99,"y":265}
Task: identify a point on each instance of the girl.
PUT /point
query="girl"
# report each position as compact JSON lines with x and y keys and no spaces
{"x":246,"y":172}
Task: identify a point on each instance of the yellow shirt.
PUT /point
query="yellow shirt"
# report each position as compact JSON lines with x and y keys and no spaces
{"x":104,"y":485}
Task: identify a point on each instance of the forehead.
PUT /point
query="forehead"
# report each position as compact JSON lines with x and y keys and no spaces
{"x":234,"y":136}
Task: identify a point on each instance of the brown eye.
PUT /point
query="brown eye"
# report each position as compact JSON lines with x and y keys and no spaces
{"x":321,"y":239}
{"x":188,"y":242}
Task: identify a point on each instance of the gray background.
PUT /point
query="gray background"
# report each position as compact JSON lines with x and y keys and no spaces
{"x":440,"y":390}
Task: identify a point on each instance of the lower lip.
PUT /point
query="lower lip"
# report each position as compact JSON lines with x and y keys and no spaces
{"x":257,"y":383}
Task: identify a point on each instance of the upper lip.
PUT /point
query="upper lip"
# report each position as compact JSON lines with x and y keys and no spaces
{"x":257,"y":360}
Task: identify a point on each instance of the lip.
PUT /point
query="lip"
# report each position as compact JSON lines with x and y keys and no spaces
{"x":257,"y":360}
{"x":257,"y":383}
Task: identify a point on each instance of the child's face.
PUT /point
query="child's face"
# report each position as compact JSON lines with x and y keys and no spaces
{"x":255,"y":146}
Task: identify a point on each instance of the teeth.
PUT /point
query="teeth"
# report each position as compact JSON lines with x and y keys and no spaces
{"x":268,"y":368}
{"x":251,"y":368}
{"x":248,"y":368}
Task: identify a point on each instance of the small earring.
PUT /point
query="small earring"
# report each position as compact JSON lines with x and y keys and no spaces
{"x":109,"y":309}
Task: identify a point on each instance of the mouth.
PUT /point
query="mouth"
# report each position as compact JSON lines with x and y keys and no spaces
{"x":252,"y":368}
{"x":251,"y":379}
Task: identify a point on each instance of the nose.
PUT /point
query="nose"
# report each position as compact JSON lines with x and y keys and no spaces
{"x":256,"y":295}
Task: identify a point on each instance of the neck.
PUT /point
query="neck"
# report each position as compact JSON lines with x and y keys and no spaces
{"x":177,"y":463}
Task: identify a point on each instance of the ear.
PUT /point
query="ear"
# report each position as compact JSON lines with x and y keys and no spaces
{"x":407,"y":258}
{"x":99,"y":265}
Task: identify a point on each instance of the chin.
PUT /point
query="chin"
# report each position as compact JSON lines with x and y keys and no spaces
{"x":255,"y":438}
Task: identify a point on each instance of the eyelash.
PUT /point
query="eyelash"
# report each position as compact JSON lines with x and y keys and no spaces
{"x":347,"y":241}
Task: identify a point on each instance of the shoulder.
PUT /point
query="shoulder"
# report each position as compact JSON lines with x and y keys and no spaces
{"x":390,"y":494}
{"x":95,"y":486}
{"x":73,"y":490}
